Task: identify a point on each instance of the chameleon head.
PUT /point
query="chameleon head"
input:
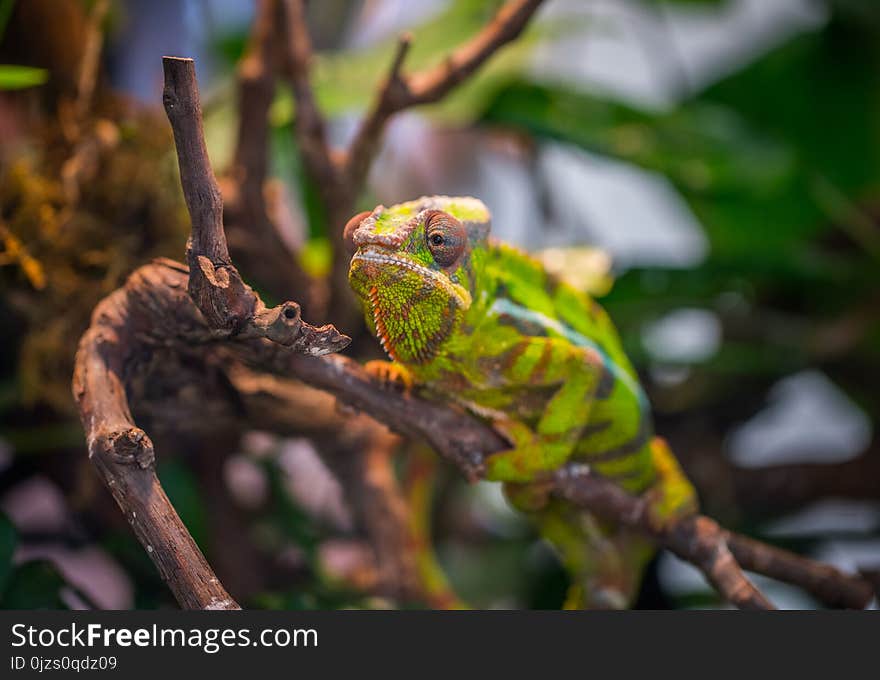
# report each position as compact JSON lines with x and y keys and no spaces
{"x":414,"y":270}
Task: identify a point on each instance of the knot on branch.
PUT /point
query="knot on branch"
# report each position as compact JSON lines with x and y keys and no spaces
{"x":281,"y":324}
{"x":284,"y":326}
{"x":220,"y":293}
{"x":130,"y":446}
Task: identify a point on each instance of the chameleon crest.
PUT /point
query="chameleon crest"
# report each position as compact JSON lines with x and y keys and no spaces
{"x":414,"y":270}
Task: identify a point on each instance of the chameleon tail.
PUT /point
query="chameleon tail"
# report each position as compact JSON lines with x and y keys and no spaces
{"x":604,"y":565}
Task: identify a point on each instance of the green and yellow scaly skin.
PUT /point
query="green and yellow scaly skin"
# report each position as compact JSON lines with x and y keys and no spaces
{"x":482,"y":323}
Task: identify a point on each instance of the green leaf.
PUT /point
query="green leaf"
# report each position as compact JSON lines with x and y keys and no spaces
{"x":14,"y":77}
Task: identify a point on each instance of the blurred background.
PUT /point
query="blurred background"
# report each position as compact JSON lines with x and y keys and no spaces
{"x":709,"y":169}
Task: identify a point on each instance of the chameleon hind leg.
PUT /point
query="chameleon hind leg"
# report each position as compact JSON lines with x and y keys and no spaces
{"x":604,"y":563}
{"x":672,"y":496}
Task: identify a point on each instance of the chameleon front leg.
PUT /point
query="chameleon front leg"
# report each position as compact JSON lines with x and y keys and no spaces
{"x":547,"y":362}
{"x":390,"y":374}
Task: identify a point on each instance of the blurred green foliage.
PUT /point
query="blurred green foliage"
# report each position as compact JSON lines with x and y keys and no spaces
{"x":18,"y":77}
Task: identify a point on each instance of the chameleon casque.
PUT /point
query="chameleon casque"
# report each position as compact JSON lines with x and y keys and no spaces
{"x":479,"y":322}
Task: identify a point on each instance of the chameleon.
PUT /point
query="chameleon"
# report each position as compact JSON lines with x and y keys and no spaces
{"x":479,"y":322}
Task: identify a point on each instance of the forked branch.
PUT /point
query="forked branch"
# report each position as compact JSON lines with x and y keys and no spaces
{"x":399,"y":92}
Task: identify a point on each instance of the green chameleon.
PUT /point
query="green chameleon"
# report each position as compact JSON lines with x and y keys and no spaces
{"x":479,"y":322}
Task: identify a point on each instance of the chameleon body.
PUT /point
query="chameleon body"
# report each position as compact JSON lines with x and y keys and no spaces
{"x":481,"y":323}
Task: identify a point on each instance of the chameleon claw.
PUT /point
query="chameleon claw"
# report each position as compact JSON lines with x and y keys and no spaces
{"x":391,"y":375}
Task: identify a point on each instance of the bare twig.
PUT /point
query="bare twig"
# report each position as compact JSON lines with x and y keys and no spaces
{"x":401,"y":92}
{"x":336,"y":196}
{"x":87,"y":142}
{"x":699,"y":540}
{"x":823,"y":581}
{"x":774,"y":489}
{"x":88,"y":71}
{"x":311,"y":132}
{"x":229,"y":305}
{"x":256,"y":87}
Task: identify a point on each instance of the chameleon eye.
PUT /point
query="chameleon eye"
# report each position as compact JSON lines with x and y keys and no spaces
{"x":445,"y":236}
{"x":350,"y":227}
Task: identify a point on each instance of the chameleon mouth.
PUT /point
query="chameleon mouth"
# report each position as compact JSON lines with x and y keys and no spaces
{"x":461,"y":296}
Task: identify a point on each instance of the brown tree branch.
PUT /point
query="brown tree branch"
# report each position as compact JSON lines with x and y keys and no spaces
{"x":88,"y":70}
{"x":256,"y":87}
{"x":336,"y":196}
{"x":827,"y":584}
{"x":123,"y":454}
{"x":775,"y":489}
{"x":311,"y":129}
{"x":400,"y":92}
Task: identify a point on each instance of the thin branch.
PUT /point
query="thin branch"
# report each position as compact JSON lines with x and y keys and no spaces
{"x":250,"y":212}
{"x":433,"y":84}
{"x":256,"y":87}
{"x":827,"y":584}
{"x":775,"y":489}
{"x":400,"y":92}
{"x":311,"y":129}
{"x":230,"y":306}
{"x":698,"y":540}
{"x":335,"y":196}
{"x":88,"y":70}
{"x":82,"y":164}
